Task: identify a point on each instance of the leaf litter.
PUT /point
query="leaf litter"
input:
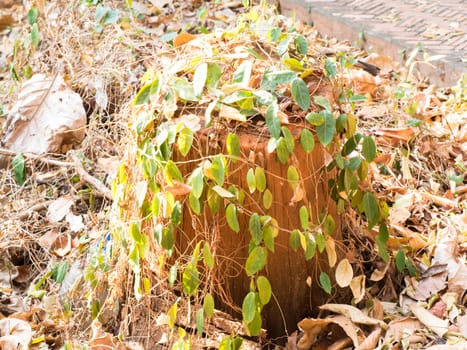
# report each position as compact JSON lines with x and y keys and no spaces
{"x":421,"y":136}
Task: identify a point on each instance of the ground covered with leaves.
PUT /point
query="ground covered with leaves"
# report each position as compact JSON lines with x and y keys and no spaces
{"x":67,"y":279}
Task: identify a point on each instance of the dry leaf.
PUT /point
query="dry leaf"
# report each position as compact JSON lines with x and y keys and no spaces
{"x":75,"y":222}
{"x":311,"y":328}
{"x":231,"y":113}
{"x":396,"y":135}
{"x":462,"y":324}
{"x":357,"y":286}
{"x":348,"y":326}
{"x":429,"y":286}
{"x":378,"y":275}
{"x":59,"y":208}
{"x":397,"y":329}
{"x":331,"y":251}
{"x":48,"y":238}
{"x":62,"y":245}
{"x":14,"y":334}
{"x":371,"y":341}
{"x":344,"y":273}
{"x":103,"y":342}
{"x":46,"y":116}
{"x":439,"y":309}
{"x":183,"y":38}
{"x":437,"y":325}
{"x":353,"y":314}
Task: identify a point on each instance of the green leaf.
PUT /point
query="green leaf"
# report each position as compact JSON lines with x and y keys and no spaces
{"x":269,"y":233}
{"x":323,"y":102}
{"x":371,"y":209}
{"x":254,"y":226}
{"x":301,"y":94}
{"x":327,"y":130}
{"x":325,"y":282}
{"x":358,"y":98}
{"x":292,"y":176}
{"x":222,"y":192}
{"x":213,"y":75}
{"x":272,"y":121}
{"x":264,"y":290}
{"x":19,"y":169}
{"x":199,"y":322}
{"x":231,"y":216}
{"x":310,"y":250}
{"x":307,"y":140}
{"x":184,"y":89}
{"x":218,"y":169}
{"x":249,"y":307}
{"x":282,"y":151}
{"x":320,"y":242}
{"x":267,"y":199}
{"x":59,"y":271}
{"x":32,"y":15}
{"x":330,"y":69}
{"x":400,"y":260}
{"x":383,"y":232}
{"x":304,"y":217}
{"x":294,"y":239}
{"x":172,"y":172}
{"x":214,"y":200}
{"x":243,"y":73}
{"x":251,"y":180}
{"x":190,"y":280}
{"x":368,"y":148}
{"x":184,"y":141}
{"x":176,"y":214}
{"x":283,"y":45}
{"x":315,"y":119}
{"x":264,"y":98}
{"x":273,"y":77}
{"x":199,"y":78}
{"x":254,"y":327}
{"x":208,"y":305}
{"x":301,"y":45}
{"x":207,"y":256}
{"x":195,"y":203}
{"x":35,"y":35}
{"x":197,"y":182}
{"x":256,"y":260}
{"x":383,"y":251}
{"x":350,"y":181}
{"x":329,"y":225}
{"x":260,"y":179}
{"x":289,"y":139}
{"x":111,"y":17}
{"x":233,"y":146}
{"x":351,"y":144}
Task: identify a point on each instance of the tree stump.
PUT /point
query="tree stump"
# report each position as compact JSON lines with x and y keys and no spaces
{"x":288,"y":271}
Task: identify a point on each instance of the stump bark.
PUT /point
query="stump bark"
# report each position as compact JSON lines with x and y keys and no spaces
{"x":287,"y":270}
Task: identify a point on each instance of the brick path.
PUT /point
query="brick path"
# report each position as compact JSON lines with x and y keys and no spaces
{"x":391,"y":25}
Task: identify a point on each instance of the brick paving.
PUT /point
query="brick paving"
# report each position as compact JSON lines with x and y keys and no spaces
{"x":440,"y":26}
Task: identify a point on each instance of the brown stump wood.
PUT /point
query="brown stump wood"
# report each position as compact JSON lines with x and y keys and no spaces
{"x":287,"y":270}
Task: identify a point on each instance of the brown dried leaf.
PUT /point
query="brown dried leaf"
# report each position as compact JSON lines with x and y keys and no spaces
{"x":14,"y":334}
{"x":357,"y":286}
{"x":311,"y":328}
{"x":344,"y":273}
{"x":437,"y":325}
{"x":183,"y":38}
{"x":331,"y":252}
{"x":371,"y":341}
{"x":429,"y":286}
{"x":353,"y":314}
{"x":397,"y":328}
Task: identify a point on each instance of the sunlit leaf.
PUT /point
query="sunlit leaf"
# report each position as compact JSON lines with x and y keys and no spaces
{"x":254,"y":226}
{"x":327,"y":130}
{"x":231,"y":216}
{"x":315,"y":119}
{"x":264,"y":289}
{"x":249,"y":307}
{"x":184,"y":141}
{"x":301,"y":45}
{"x":172,"y":313}
{"x":273,"y":77}
{"x":222,"y":192}
{"x":251,"y":180}
{"x":35,"y":35}
{"x":260,"y":179}
{"x":307,"y":140}
{"x":207,"y":256}
{"x":320,"y":242}
{"x":304,"y":217}
{"x":199,"y":78}
{"x":190,"y":279}
{"x":208,"y":305}
{"x":267,"y":199}
{"x":214,"y":73}
{"x":330,"y":69}
{"x":292,"y":176}
{"x":32,"y":15}
{"x":301,"y":94}
{"x":272,"y":121}
{"x":344,"y":273}
{"x":294,"y":239}
{"x":184,"y":89}
{"x":218,"y":169}
{"x":256,"y":260}
{"x":282,"y":151}
{"x":294,"y":64}
{"x":200,"y":322}
{"x":233,"y":146}
{"x":197,"y":182}
{"x":243,"y":73}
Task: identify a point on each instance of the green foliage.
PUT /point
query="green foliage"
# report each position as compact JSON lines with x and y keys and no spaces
{"x":19,"y":169}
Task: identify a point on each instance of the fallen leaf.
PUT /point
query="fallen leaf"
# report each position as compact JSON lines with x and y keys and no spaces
{"x":400,"y":327}
{"x":396,"y":134}
{"x":437,"y":325}
{"x":348,"y":326}
{"x":311,"y":328}
{"x":75,"y":222}
{"x":439,"y":309}
{"x":353,"y":314}
{"x":103,"y":342}
{"x":429,"y":286}
{"x":371,"y":340}
{"x":462,"y":324}
{"x":59,"y":208}
{"x":344,"y":273}
{"x":231,"y":113}
{"x":357,"y":286}
{"x":14,"y":334}
{"x":183,"y":38}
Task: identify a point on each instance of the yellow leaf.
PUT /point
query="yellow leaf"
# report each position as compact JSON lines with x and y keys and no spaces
{"x":331,"y":251}
{"x":344,"y":273}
